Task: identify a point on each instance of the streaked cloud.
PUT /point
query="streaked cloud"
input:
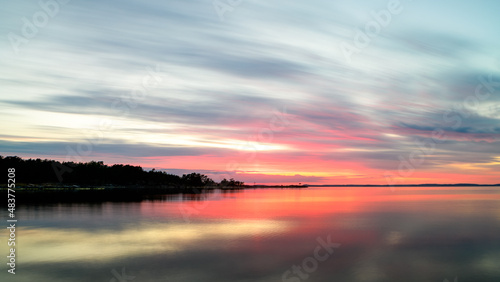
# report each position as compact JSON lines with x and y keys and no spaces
{"x":266,"y":94}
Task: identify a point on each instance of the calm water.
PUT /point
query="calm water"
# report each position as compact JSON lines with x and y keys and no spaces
{"x":314,"y":234}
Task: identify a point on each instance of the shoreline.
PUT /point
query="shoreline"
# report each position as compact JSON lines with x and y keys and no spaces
{"x":53,"y":193}
{"x":135,"y":193}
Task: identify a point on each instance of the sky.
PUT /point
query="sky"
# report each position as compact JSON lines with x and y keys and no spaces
{"x":268,"y":92}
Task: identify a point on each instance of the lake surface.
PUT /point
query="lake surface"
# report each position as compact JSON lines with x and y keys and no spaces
{"x":313,"y":234}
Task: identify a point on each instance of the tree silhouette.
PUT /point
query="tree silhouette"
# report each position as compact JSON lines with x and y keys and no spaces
{"x":96,"y":173}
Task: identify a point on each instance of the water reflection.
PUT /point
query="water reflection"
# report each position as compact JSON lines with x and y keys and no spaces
{"x":44,"y":245}
{"x":411,"y":234}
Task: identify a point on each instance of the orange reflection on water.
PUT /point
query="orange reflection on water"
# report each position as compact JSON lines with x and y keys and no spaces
{"x":309,"y":202}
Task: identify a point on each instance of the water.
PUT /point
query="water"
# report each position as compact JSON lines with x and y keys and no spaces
{"x":370,"y":234}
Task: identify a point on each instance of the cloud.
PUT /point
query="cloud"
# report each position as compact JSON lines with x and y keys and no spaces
{"x":223,"y":81}
{"x":277,"y":179}
{"x":112,"y":147}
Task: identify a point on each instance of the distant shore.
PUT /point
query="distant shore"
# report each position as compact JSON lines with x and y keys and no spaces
{"x":406,"y":185}
{"x":57,"y":193}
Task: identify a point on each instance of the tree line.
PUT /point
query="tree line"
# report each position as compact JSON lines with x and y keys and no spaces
{"x":94,"y":173}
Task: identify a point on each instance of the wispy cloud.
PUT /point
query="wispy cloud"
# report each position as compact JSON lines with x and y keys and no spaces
{"x":223,"y":81}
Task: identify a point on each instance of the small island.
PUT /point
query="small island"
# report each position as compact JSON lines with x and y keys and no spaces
{"x":45,"y":180}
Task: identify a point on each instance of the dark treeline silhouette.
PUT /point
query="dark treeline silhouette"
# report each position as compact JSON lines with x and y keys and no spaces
{"x":38,"y":171}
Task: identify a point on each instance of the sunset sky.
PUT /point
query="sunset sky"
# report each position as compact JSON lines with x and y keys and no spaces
{"x":318,"y":92}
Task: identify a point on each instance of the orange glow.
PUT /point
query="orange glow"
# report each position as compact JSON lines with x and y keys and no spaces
{"x":280,"y":204}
